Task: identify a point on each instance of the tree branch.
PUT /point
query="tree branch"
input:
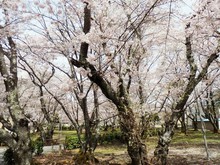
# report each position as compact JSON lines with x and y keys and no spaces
{"x":87,"y":24}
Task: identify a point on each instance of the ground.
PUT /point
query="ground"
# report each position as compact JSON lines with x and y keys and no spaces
{"x":181,"y":155}
{"x":184,"y":150}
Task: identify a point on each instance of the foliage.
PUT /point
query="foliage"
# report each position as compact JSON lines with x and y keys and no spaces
{"x":37,"y":146}
{"x":66,"y":128}
{"x":152,"y":132}
{"x":111,"y":137}
{"x":147,"y":125}
{"x":71,"y":142}
{"x":8,"y":157}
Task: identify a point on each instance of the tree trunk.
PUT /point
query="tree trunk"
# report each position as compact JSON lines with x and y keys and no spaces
{"x":135,"y":147}
{"x":22,"y":148}
{"x":215,"y":127}
{"x":23,"y":154}
{"x":86,"y":153}
{"x":183,"y":124}
{"x":20,"y":131}
{"x":195,"y":124}
{"x":165,"y":138}
{"x":48,"y":133}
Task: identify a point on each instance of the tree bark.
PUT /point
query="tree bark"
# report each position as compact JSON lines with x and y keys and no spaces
{"x":165,"y":138}
{"x":135,"y":147}
{"x":22,"y":151}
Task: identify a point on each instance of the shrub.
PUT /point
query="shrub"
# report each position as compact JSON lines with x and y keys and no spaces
{"x":37,"y":146}
{"x":153,"y":132}
{"x":71,"y":142}
{"x":8,"y":157}
{"x":111,"y":137}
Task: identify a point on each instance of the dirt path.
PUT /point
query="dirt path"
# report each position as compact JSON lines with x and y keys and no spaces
{"x":196,"y":155}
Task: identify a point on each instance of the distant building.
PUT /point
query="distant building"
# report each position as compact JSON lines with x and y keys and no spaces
{"x":207,"y":124}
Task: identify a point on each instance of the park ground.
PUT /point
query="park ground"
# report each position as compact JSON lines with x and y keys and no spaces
{"x":185,"y":150}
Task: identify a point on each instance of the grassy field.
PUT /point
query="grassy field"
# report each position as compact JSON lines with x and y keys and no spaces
{"x":61,"y":135}
{"x":191,"y":138}
{"x":196,"y":137}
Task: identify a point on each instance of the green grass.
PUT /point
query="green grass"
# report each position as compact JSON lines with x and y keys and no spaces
{"x":61,"y":135}
{"x":195,"y":137}
{"x":58,"y":135}
{"x":192,"y":138}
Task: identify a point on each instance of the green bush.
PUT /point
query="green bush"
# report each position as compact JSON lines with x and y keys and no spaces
{"x":111,"y":137}
{"x":153,"y":131}
{"x":8,"y":157}
{"x":71,"y":142}
{"x":37,"y":146}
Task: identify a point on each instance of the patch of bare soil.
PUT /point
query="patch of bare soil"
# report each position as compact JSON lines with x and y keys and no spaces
{"x":178,"y":155}
{"x":66,"y":158}
{"x":195,"y":155}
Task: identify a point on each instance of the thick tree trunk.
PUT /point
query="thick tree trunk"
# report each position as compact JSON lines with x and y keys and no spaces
{"x":22,"y":152}
{"x":135,"y":147}
{"x":165,"y":138}
{"x":22,"y":147}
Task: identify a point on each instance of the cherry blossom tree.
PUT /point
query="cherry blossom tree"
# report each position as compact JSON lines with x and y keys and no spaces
{"x":120,"y":96}
{"x":202,"y":50}
{"x":15,"y":131}
{"x":209,"y":108}
{"x":105,"y":58}
{"x":48,"y":106}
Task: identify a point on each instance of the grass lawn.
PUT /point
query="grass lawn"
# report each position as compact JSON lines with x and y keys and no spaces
{"x":195,"y":137}
{"x":61,"y":135}
{"x":192,"y":137}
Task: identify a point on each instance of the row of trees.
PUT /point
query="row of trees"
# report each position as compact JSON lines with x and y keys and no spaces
{"x":83,"y":60}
